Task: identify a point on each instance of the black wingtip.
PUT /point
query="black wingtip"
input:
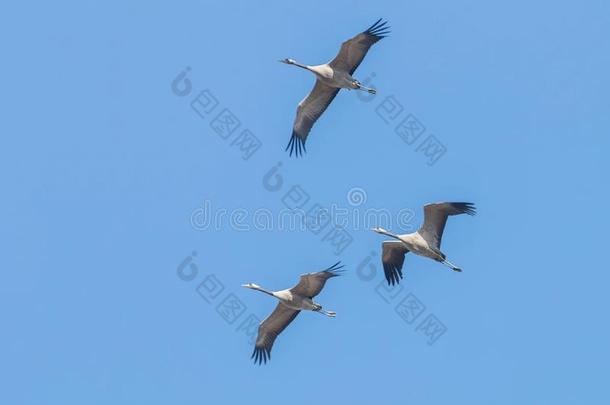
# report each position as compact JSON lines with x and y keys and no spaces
{"x":392,"y":275}
{"x":336,"y":269}
{"x":466,"y":207}
{"x":296,"y":145}
{"x":379,"y":29}
{"x":372,"y":27}
{"x":390,"y":279}
{"x":336,"y":266}
{"x":261,"y":355}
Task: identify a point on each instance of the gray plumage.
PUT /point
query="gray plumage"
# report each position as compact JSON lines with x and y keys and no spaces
{"x":393,"y":256}
{"x":435,"y":218}
{"x":269,"y":330}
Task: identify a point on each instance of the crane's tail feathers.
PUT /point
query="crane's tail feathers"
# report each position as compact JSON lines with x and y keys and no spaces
{"x":296,"y":145}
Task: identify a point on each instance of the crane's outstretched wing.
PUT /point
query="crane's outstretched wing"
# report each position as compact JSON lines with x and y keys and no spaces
{"x":435,"y":218}
{"x":393,"y":257}
{"x":311,"y":284}
{"x":308,"y":112}
{"x":354,"y":50}
{"x":269,"y":329}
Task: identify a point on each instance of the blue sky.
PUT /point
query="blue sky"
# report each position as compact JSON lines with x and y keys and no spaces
{"x":105,"y":169}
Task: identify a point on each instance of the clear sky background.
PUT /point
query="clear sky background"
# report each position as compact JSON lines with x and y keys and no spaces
{"x":103,"y":167}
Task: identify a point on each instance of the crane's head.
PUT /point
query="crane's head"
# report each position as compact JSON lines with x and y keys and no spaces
{"x":251,"y":285}
{"x":288,"y":61}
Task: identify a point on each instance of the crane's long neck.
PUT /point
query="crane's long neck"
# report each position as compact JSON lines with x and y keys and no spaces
{"x":261,"y":289}
{"x":301,"y":65}
{"x":390,"y":234}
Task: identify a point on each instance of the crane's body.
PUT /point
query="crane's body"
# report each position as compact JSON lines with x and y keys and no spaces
{"x":335,"y":78}
{"x":331,"y":76}
{"x":296,"y":301}
{"x":418,"y":245}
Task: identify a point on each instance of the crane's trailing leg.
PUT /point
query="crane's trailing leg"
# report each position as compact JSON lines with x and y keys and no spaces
{"x":318,"y":308}
{"x":359,"y":86}
{"x":441,"y":257}
{"x":332,"y":314}
{"x":451,"y":265}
